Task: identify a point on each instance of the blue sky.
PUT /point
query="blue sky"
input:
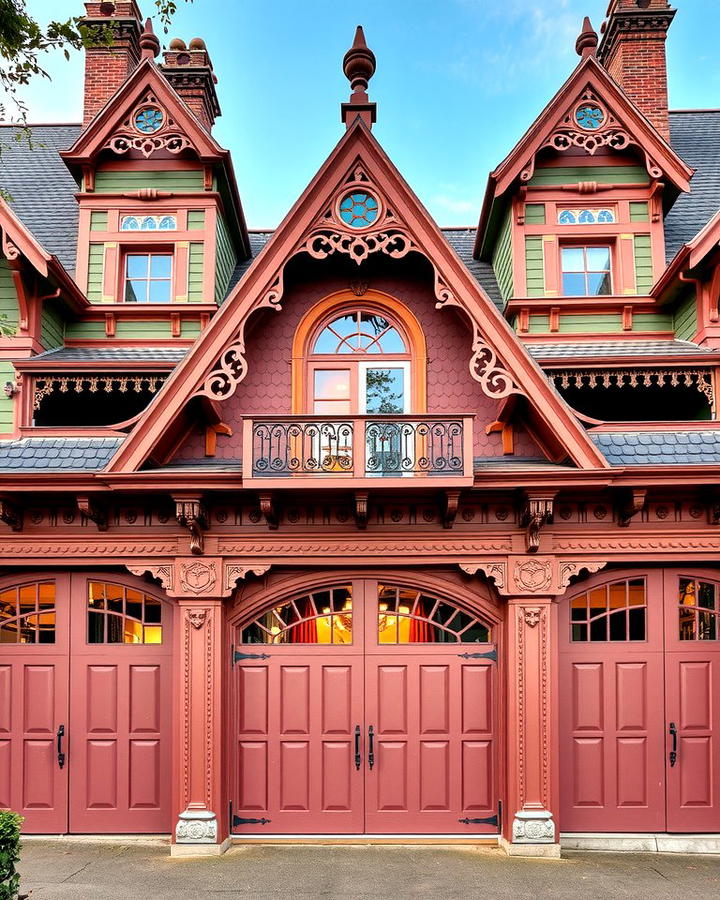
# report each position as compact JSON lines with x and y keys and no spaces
{"x":457,"y":83}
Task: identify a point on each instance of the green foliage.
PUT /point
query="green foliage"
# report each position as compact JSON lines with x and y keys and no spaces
{"x":9,"y":854}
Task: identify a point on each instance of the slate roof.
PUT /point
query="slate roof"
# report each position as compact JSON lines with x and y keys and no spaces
{"x":695,"y":136}
{"x":462,"y":240}
{"x":41,"y":187}
{"x":647,"y":448}
{"x":112,"y":354}
{"x":57,"y":454}
{"x":575,"y":351}
{"x":258,"y":239}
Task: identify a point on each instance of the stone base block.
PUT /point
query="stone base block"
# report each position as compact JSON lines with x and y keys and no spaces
{"x":180,"y":851}
{"x":542,"y":851}
{"x":642,"y":843}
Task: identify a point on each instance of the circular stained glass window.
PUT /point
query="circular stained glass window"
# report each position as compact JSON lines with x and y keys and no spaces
{"x":359,"y":209}
{"x":149,"y":119}
{"x":589,"y":116}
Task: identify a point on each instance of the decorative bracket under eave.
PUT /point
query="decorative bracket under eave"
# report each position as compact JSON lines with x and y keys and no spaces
{"x":93,"y":512}
{"x":633,"y":503}
{"x":11,"y":514}
{"x":452,"y":499}
{"x":536,"y":512}
{"x":191,"y":514}
{"x":267,"y":508}
{"x":361,"y":509}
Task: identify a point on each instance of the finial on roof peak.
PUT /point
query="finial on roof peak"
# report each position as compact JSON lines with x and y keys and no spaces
{"x":149,"y":43}
{"x":359,"y":68}
{"x":587,"y":41}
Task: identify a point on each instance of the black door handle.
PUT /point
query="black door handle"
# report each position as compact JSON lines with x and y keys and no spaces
{"x":60,"y":754}
{"x":371,"y":747}
{"x":358,"y":758}
{"x":673,"y":752}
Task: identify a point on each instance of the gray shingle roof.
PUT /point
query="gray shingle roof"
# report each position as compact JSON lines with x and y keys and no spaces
{"x":695,"y":136}
{"x":462,"y":240}
{"x":113,"y":354}
{"x":573,"y":351}
{"x":42,"y":188}
{"x":648,"y":448}
{"x":258,"y":239}
{"x":57,"y":454}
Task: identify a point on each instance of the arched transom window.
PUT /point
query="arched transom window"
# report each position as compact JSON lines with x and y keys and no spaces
{"x":359,"y":363}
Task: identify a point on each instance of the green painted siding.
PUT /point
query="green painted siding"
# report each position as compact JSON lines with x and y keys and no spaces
{"x":643,"y":263}
{"x":639,"y":212}
{"x":52,"y":326}
{"x":190,"y":329}
{"x":600,"y":323}
{"x":537,"y":324}
{"x":196,"y":219}
{"x":535,"y":214}
{"x":534,"y":266}
{"x":685,"y":319}
{"x":96,"y":263}
{"x":652,"y":322}
{"x":143,"y":328}
{"x":225,"y":261}
{"x":9,"y":316}
{"x":98,"y":220}
{"x":117,"y":182}
{"x":7,"y":373}
{"x":601,"y":174}
{"x":502,"y":261}
{"x":195,"y":274}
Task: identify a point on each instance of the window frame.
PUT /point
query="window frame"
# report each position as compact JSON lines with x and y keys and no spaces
{"x":584,"y":244}
{"x":148,"y":250}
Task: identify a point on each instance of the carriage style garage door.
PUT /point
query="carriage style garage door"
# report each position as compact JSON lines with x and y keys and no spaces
{"x":85,"y":679}
{"x":365,"y":708}
{"x":640,"y":704}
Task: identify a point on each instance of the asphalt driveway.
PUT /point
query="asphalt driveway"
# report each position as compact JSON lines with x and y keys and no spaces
{"x":70,"y":870}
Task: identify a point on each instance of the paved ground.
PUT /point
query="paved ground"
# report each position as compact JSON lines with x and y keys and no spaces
{"x":135,"y":872}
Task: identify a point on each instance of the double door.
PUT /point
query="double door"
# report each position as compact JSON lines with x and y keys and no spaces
{"x":85,"y":680}
{"x":640,"y":704}
{"x":372,"y":732}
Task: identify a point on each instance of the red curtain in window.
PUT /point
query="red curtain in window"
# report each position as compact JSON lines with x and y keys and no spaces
{"x":304,"y":632}
{"x":420,"y":631}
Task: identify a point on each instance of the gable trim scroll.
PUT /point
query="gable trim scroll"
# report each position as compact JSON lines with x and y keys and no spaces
{"x":216,"y":365}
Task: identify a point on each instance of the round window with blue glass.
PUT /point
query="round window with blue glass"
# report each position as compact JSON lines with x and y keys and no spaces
{"x":589,"y":116}
{"x":359,"y":209}
{"x":149,"y":119}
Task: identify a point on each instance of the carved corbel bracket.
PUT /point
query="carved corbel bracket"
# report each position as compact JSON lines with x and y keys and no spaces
{"x":632,"y":503}
{"x":493,"y":569}
{"x":573,"y":568}
{"x":92,"y":511}
{"x":164,"y":572}
{"x":11,"y":514}
{"x":535,"y":513}
{"x":361,"y":509}
{"x":452,"y":499}
{"x":191,"y":514}
{"x":267,"y":508}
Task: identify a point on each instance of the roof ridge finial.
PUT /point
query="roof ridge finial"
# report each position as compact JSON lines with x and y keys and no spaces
{"x":149,"y":43}
{"x":587,"y":41}
{"x":359,"y":68}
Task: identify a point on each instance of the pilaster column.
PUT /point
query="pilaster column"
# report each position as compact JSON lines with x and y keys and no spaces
{"x":530,"y":829}
{"x":199,"y":758}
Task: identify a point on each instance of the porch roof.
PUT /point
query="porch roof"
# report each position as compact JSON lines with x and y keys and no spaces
{"x":57,"y":453}
{"x":610,"y":349}
{"x":666,"y":447}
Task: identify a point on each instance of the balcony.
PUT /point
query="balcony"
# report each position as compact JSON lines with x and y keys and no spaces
{"x":358,"y":451}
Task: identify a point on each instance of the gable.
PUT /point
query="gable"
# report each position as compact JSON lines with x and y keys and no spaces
{"x":218,"y":363}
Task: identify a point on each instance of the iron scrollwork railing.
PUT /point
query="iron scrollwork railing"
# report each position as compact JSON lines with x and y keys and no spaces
{"x":399,"y":447}
{"x":302,"y":448}
{"x":359,"y":446}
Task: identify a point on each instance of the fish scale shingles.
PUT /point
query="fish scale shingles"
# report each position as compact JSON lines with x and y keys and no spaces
{"x":642,"y":448}
{"x":57,"y":454}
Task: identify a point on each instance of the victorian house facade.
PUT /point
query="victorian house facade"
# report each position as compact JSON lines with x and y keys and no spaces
{"x":362,"y":527}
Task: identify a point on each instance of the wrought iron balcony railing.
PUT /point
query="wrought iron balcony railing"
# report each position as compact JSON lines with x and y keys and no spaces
{"x":354,"y":448}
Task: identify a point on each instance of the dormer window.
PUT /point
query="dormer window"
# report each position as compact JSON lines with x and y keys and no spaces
{"x":148,"y":278}
{"x":586,"y":271}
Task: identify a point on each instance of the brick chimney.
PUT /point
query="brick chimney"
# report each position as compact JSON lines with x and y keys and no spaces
{"x":189,"y":71}
{"x":107,"y":67}
{"x":632,"y":49}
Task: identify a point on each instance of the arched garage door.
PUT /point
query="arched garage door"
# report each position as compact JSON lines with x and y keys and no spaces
{"x":85,"y":700}
{"x":640,"y":703}
{"x":365,"y":706}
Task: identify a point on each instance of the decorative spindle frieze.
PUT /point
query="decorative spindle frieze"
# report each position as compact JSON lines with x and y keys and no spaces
{"x":700,"y":379}
{"x":92,"y":384}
